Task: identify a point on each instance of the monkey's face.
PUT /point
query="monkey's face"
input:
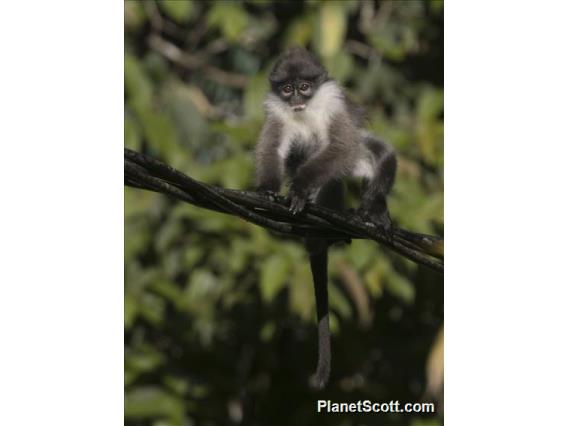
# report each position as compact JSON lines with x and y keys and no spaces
{"x":296,"y":78}
{"x":296,"y":93}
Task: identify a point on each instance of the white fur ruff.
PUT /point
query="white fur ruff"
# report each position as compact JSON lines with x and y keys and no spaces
{"x":311,"y":125}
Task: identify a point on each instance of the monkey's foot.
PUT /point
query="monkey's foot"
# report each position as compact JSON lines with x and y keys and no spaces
{"x":270,"y":194}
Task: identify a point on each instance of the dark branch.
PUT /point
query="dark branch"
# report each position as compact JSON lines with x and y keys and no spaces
{"x":144,"y":172}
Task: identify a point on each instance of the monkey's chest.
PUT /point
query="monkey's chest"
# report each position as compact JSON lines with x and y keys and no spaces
{"x":299,"y":143}
{"x":298,"y":154}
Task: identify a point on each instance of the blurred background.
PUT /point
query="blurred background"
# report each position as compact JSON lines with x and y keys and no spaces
{"x":219,"y":314}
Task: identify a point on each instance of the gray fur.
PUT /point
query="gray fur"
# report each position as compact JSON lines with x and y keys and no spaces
{"x":315,"y":138}
{"x":269,"y":168}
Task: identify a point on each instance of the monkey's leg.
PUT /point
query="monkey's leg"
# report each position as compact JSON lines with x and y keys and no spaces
{"x":376,"y":188}
{"x":332,"y":196}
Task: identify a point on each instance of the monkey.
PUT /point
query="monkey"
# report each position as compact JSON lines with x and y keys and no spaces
{"x":313,"y":135}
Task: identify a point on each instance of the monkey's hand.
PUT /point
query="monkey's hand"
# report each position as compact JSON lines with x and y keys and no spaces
{"x":297,"y":202}
{"x":381,"y":219}
{"x":298,"y":198}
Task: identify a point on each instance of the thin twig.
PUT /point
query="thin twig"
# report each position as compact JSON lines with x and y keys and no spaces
{"x":192,"y":62}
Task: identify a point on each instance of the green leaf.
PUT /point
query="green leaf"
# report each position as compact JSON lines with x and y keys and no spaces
{"x":334,"y":324}
{"x":191,"y":256}
{"x":237,"y":171}
{"x":361,"y":252}
{"x":436,"y":6}
{"x":267,"y":331}
{"x":342,"y":65}
{"x":130,"y":310}
{"x":180,"y":101}
{"x":161,"y":134}
{"x":168,"y":234}
{"x":301,"y":294}
{"x":144,"y":359}
{"x":152,"y":308}
{"x":240,"y":258}
{"x":426,"y":422}
{"x":254,"y":95}
{"x":177,"y":385}
{"x":134,"y":15}
{"x":169,"y":291}
{"x":136,"y":84}
{"x":331,"y":28}
{"x":339,"y":302}
{"x":430,"y":127}
{"x":243,"y":134}
{"x":398,"y":36}
{"x":179,"y":10}
{"x":200,"y":294}
{"x":274,"y":273}
{"x":401,"y":287}
{"x":374,"y":278}
{"x":137,"y":237}
{"x":299,"y":32}
{"x":132,"y":138}
{"x":231,"y":19}
{"x":137,"y":204}
{"x":150,"y":401}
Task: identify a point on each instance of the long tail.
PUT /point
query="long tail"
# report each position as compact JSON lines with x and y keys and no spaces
{"x":318,"y":262}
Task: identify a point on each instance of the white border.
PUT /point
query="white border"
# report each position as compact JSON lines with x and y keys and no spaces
{"x":505,"y":221}
{"x":61,"y":226}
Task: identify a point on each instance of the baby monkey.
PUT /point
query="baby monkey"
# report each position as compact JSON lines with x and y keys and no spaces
{"x":314,"y":136}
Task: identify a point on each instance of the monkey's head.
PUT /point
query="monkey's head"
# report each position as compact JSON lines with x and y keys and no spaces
{"x":296,"y":76}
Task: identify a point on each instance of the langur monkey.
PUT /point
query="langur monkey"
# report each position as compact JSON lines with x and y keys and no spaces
{"x":314,"y":136}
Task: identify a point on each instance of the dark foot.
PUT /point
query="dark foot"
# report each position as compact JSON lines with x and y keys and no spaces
{"x":269,"y":193}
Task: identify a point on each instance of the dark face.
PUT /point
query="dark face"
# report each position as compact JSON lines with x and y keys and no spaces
{"x":296,"y":93}
{"x":296,"y":77}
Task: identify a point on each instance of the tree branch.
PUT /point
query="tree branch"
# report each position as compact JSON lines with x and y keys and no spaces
{"x":192,"y":62}
{"x":144,"y":172}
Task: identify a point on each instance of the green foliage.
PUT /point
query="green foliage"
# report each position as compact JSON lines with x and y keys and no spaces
{"x":229,"y":18}
{"x":274,"y":274}
{"x":178,"y":10}
{"x":331,"y":29}
{"x":217,"y":308}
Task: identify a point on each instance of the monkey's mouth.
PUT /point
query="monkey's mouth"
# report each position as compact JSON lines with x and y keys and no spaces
{"x":299,"y":107}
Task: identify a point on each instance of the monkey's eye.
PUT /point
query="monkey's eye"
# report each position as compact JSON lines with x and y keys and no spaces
{"x":287,"y":89}
{"x":304,"y":87}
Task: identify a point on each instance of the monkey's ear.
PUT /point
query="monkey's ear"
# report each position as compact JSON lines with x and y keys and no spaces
{"x":322,"y":78}
{"x":277,"y":76}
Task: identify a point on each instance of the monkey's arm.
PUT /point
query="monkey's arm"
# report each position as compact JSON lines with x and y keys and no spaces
{"x":269,"y":167}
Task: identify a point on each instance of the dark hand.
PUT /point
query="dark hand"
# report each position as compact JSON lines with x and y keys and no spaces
{"x":381,"y":219}
{"x":298,"y":199}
